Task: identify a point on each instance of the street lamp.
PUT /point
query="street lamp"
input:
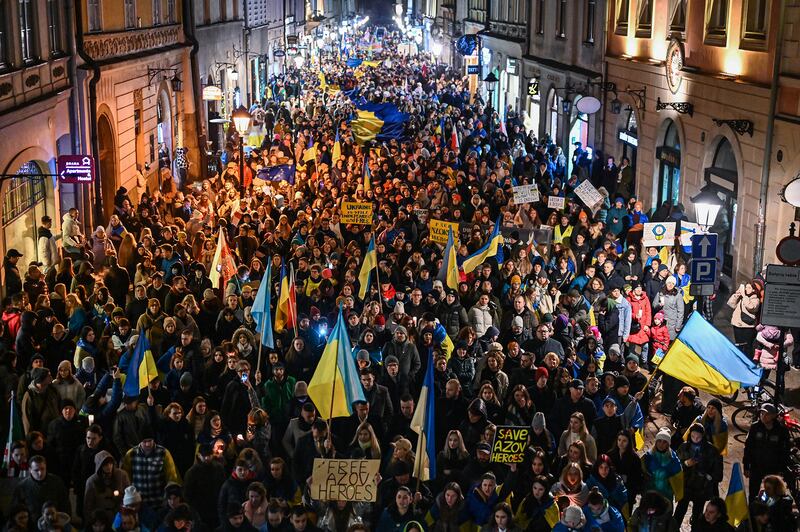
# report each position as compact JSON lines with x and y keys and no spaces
{"x":491,"y":82}
{"x":436,"y":48}
{"x":299,"y":60}
{"x":241,"y":120}
{"x":707,"y":205}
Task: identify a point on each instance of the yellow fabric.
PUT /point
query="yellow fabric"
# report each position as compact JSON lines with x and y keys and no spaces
{"x":326,"y":378}
{"x":684,"y":364}
{"x":366,"y":127}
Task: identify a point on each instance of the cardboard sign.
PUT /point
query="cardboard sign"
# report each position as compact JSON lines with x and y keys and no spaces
{"x":509,"y":444}
{"x":356,"y":213}
{"x":556,"y":202}
{"x":659,"y":234}
{"x":687,"y":230}
{"x":525,"y":194}
{"x":588,"y":194}
{"x":440,"y":229}
{"x":344,"y":480}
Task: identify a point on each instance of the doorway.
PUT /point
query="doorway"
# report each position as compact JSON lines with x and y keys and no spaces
{"x":108,"y":163}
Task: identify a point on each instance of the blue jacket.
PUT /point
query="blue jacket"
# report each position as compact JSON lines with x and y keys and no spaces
{"x":477,"y":510}
{"x":617,"y":497}
{"x":609,"y":521}
{"x":625,"y":315}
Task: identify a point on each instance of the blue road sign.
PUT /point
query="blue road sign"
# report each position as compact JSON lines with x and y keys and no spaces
{"x":704,"y":271}
{"x":704,"y":246}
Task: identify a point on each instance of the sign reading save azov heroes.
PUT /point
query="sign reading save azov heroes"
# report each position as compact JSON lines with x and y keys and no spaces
{"x":509,"y":445}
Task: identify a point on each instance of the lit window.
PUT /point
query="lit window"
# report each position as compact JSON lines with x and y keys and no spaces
{"x":623,"y":9}
{"x":23,"y":192}
{"x":27,"y":31}
{"x":716,"y":22}
{"x":644,"y":19}
{"x":677,"y":19}
{"x":561,"y":30}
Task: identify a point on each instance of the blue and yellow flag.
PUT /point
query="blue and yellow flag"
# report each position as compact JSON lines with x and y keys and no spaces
{"x":448,"y":274}
{"x":423,"y":424}
{"x":336,"y":385}
{"x":378,"y":121}
{"x":337,"y":149}
{"x":492,"y":248}
{"x":736,"y":501}
{"x":369,"y":264}
{"x":142,"y":368}
{"x":311,"y":150}
{"x":262,"y":313}
{"x":281,"y":172}
{"x":703,"y":357}
{"x":367,"y":175}
{"x":286,"y":309}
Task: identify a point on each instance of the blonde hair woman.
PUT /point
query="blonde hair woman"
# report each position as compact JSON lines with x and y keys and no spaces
{"x":365,"y":444}
{"x":577,"y":431}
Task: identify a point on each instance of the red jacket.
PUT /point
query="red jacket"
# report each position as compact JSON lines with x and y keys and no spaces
{"x":646,"y":319}
{"x":659,"y":334}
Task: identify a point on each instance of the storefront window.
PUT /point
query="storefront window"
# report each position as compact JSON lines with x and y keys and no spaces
{"x":669,"y":171}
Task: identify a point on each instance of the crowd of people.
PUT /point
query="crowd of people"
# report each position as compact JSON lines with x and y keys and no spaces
{"x":557,"y":332}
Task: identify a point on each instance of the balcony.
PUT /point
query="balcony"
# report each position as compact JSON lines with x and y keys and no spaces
{"x":108,"y":45}
{"x":32,"y":83}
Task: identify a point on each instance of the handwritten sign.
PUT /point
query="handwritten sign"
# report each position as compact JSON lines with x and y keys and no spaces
{"x":526,"y":194}
{"x":687,"y":230}
{"x":509,"y":444}
{"x":439,"y":230}
{"x":344,"y":480}
{"x":555,"y":202}
{"x":659,"y":234}
{"x":356,"y":213}
{"x":588,"y":194}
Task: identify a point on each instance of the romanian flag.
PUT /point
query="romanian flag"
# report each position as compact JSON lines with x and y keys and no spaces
{"x":423,"y":424}
{"x":262,"y":314}
{"x":492,"y":248}
{"x":223,"y":265}
{"x":369,"y":264}
{"x":15,"y":433}
{"x":336,"y":385}
{"x":311,"y":151}
{"x":736,"y":501}
{"x":286,"y":309}
{"x":337,"y":149}
{"x":703,"y":357}
{"x":142,"y":368}
{"x":448,"y":274}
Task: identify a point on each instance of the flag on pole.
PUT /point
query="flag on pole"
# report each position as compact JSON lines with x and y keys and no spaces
{"x":336,"y":385}
{"x":448,"y":274}
{"x":454,"y":144}
{"x":492,"y":248}
{"x":311,"y":150}
{"x":367,"y":175}
{"x":423,"y":424}
{"x":262,"y":314}
{"x":736,"y":501}
{"x":337,"y":149}
{"x":15,"y":433}
{"x":369,"y":264}
{"x":286,"y":307}
{"x":142,"y":368}
{"x":223,"y":265}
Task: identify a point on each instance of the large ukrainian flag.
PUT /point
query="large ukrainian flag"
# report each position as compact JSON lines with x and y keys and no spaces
{"x":142,"y":368}
{"x":449,"y":272}
{"x":336,"y":383}
{"x":703,"y":357}
{"x":370,"y":263}
{"x":492,"y":248}
{"x":378,"y":121}
{"x":262,"y":313}
{"x":736,"y":501}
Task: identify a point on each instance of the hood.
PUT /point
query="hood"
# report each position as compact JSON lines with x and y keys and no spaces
{"x":99,"y":458}
{"x":27,"y":320}
{"x":67,"y":218}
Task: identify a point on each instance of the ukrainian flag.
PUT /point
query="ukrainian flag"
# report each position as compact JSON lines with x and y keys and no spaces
{"x":262,"y":313}
{"x":335,"y":385}
{"x":367,"y":175}
{"x":337,"y":149}
{"x":703,"y":357}
{"x":311,"y":150}
{"x":449,"y":272}
{"x":423,"y":424}
{"x":736,"y":501}
{"x":142,"y":368}
{"x":369,"y":264}
{"x":286,"y":308}
{"x":492,"y":248}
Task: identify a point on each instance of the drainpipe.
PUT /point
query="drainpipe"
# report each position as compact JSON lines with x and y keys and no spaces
{"x":761,"y":226}
{"x":191,"y":37}
{"x":94,"y":143}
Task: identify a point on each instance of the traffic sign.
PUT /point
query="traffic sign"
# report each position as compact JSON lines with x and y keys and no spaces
{"x":75,"y":168}
{"x":704,"y":271}
{"x":704,"y":246}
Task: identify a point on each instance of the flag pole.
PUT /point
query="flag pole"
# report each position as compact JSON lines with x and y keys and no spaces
{"x":377,"y":277}
{"x":333,"y":384}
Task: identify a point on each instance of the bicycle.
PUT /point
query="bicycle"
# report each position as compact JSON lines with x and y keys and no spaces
{"x":744,"y":416}
{"x":734,"y":397}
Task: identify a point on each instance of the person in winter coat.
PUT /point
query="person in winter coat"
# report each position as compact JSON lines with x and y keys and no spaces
{"x":405,"y":352}
{"x":67,"y":386}
{"x":39,"y":487}
{"x":64,"y":436}
{"x":661,"y":467}
{"x":47,"y":245}
{"x":480,"y":502}
{"x":103,"y":490}
{"x":40,"y":404}
{"x":175,"y":434}
{"x":702,"y":473}
{"x":400,"y":513}
{"x":641,"y":314}
{"x":602,"y":515}
{"x":452,"y":315}
{"x":714,"y":518}
{"x":73,"y":239}
{"x":445,"y":513}
{"x":572,"y":520}
{"x":670,"y":302}
{"x":482,"y":315}
{"x":659,"y":335}
{"x":25,"y":343}
{"x":654,"y":514}
{"x":202,"y":485}
{"x":746,"y":304}
{"x":608,"y":483}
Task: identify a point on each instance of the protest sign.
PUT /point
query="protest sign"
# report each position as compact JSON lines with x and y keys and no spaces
{"x":687,"y":230}
{"x":659,"y":234}
{"x":525,"y":194}
{"x":356,"y":213}
{"x":421,"y":214}
{"x":439,"y":230}
{"x":509,"y":444}
{"x":588,"y":194}
{"x":555,"y":202}
{"x":344,"y":480}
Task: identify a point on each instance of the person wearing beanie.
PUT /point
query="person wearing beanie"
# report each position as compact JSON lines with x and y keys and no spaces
{"x":405,"y":352}
{"x":670,"y":301}
{"x":662,"y":467}
{"x":150,"y":467}
{"x":64,"y":437}
{"x":452,"y":314}
{"x":40,"y":402}
{"x":278,"y":393}
{"x":608,"y":425}
{"x":702,"y":472}
{"x":572,"y":520}
{"x":541,"y":437}
{"x":542,"y":394}
{"x":715,"y":425}
{"x":659,"y":338}
{"x":396,"y":317}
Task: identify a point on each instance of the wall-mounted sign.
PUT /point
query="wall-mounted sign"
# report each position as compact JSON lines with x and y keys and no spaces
{"x":512,"y":66}
{"x":75,"y":168}
{"x":212,"y":93}
{"x":674,"y":65}
{"x":628,"y":138}
{"x":533,"y":87}
{"x":279,"y":53}
{"x":473,"y":70}
{"x":291,"y":39}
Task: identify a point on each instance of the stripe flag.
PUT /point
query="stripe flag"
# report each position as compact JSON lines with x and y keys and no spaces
{"x":492,"y":248}
{"x":369,"y":264}
{"x":142,"y":368}
{"x":285,"y":310}
{"x":262,"y":314}
{"x":423,"y":424}
{"x":223,"y":266}
{"x":15,"y":433}
{"x":736,"y":501}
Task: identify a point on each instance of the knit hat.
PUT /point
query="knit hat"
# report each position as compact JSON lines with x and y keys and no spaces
{"x":538,"y":422}
{"x":233,"y":509}
{"x":620,"y":381}
{"x":401,"y":329}
{"x":495,"y":346}
{"x":66,"y":403}
{"x":614,"y":348}
{"x":716,"y":403}
{"x":379,"y":320}
{"x":664,"y":435}
{"x":632,"y":358}
{"x":697,"y":427}
{"x":573,"y":517}
{"x":362,"y":354}
{"x":131,"y":496}
{"x":391,"y":359}
{"x":517,"y":322}
{"x":38,"y":375}
{"x":659,"y":315}
{"x":484,"y":448}
{"x":399,"y":307}
{"x":208,"y":294}
{"x":541,"y":371}
{"x":87,"y":364}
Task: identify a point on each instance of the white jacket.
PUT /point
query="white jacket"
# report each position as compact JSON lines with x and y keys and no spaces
{"x":71,"y":231}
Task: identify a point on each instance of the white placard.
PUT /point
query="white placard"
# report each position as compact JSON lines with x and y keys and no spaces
{"x":781,"y":306}
{"x":588,"y":194}
{"x":659,"y":234}
{"x":555,"y":202}
{"x":687,"y":230}
{"x":526,"y":194}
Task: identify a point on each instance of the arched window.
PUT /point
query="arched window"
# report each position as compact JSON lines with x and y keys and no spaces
{"x":23,"y":192}
{"x":553,"y":108}
{"x":669,"y":170}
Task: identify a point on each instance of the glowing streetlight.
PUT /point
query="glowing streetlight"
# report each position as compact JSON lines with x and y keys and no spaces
{"x":436,"y":48}
{"x":299,"y":60}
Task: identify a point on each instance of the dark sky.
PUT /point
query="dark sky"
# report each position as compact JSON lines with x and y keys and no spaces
{"x":379,"y":11}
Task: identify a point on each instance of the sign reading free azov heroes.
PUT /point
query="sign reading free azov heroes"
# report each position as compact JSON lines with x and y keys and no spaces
{"x":345,"y":480}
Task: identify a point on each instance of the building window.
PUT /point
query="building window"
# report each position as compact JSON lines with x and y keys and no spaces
{"x":716,"y":22}
{"x":623,"y":12}
{"x":130,"y":13}
{"x":94,"y":14}
{"x":677,"y":18}
{"x":591,"y":11}
{"x":156,"y":12}
{"x":561,"y":30}
{"x":223,"y":13}
{"x":644,"y":19}
{"x":27,"y":31}
{"x":540,"y":17}
{"x":3,"y":36}
{"x":756,"y":19}
{"x":54,"y":27}
{"x":171,"y":12}
{"x":23,"y":192}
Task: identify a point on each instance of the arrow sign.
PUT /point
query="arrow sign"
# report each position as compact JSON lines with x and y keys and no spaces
{"x":75,"y":168}
{"x":704,"y":246}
